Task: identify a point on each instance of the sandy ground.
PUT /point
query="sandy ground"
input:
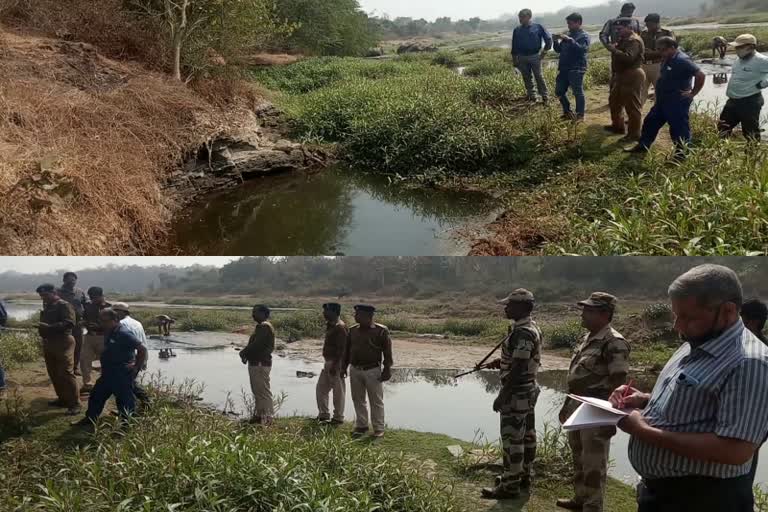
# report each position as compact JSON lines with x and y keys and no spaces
{"x":417,"y":353}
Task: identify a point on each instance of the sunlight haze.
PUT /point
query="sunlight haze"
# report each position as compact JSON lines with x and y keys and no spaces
{"x":486,"y":9}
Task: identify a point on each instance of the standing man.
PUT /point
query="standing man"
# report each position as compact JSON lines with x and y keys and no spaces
{"x":121,"y":361}
{"x":653,"y":55}
{"x":573,"y":48}
{"x":627,"y":81}
{"x":680,"y":82}
{"x":258,"y":356}
{"x":600,"y":364}
{"x":609,"y":35}
{"x":516,"y":403}
{"x":330,"y":378}
{"x":134,"y":327}
{"x":75,"y":296}
{"x":368,"y":345}
{"x":56,"y":323}
{"x":93,"y":343}
{"x":527,"y":53}
{"x":745,"y":91}
{"x":693,"y":438}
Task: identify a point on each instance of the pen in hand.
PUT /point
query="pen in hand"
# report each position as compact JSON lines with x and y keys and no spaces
{"x":627,"y":392}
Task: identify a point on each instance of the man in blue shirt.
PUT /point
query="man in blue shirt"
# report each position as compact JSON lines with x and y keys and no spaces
{"x":527,"y":53}
{"x":3,"y":321}
{"x":675,"y":92}
{"x":121,"y":361}
{"x":573,"y":48}
{"x":745,"y":91}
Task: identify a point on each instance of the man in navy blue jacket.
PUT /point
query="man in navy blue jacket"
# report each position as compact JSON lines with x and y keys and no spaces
{"x":573,"y":48}
{"x":121,"y":361}
{"x":530,"y":43}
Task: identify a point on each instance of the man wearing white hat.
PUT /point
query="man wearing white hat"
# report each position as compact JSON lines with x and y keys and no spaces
{"x":134,"y":327}
{"x":745,"y":92}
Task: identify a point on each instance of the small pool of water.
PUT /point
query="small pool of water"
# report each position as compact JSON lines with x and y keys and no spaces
{"x":333,"y":212}
{"x":22,"y":310}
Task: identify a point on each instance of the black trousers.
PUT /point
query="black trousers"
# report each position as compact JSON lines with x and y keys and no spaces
{"x":744,"y":112}
{"x":696,"y":494}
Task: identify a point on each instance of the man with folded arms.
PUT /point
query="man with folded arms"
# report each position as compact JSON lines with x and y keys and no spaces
{"x":694,"y":437}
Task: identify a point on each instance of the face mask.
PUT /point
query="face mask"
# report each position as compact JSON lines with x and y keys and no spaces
{"x":744,"y":53}
{"x":713,"y":333}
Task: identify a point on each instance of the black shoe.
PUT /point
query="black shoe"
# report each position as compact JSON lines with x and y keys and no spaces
{"x":85,"y":422}
{"x":497,"y":493}
{"x":568,"y":116}
{"x":569,"y":504}
{"x":336,"y":422}
{"x":639,"y":149}
{"x":359,"y":433}
{"x":74,"y":411}
{"x":612,"y":129}
{"x":322,"y":419}
{"x":56,"y":403}
{"x":526,"y":483}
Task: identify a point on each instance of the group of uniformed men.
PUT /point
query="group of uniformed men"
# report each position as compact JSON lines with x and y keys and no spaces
{"x":641,"y":59}
{"x":699,"y":430}
{"x":694,"y":439}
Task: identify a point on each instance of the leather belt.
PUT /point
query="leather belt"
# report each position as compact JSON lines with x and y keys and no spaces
{"x":365,"y":368}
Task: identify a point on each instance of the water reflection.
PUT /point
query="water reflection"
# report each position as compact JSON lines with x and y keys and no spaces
{"x":336,"y":211}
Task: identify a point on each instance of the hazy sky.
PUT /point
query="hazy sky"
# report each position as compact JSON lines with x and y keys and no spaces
{"x":486,"y":9}
{"x":39,"y":264}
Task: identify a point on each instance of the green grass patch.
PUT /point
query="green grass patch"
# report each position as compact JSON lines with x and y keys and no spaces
{"x":652,"y":355}
{"x":18,"y":348}
{"x":563,"y":335}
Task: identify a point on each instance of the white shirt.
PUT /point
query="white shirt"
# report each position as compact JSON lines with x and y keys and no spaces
{"x":135,"y":328}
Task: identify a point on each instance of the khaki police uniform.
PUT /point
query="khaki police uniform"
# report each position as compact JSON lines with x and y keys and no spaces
{"x":330,"y":380}
{"x":93,"y":341}
{"x":59,"y":350}
{"x":599,"y":365}
{"x":652,"y":58}
{"x":367,"y":348}
{"x":627,"y":86}
{"x":258,"y":355}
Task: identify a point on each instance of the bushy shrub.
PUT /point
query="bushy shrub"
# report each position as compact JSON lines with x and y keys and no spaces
{"x":446,"y":59}
{"x":564,"y":335}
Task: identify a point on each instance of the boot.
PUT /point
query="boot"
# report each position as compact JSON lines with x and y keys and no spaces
{"x":639,"y":149}
{"x":497,"y":493}
{"x":569,"y":504}
{"x":612,"y":129}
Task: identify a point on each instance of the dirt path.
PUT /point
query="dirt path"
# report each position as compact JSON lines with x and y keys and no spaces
{"x":418,"y":353}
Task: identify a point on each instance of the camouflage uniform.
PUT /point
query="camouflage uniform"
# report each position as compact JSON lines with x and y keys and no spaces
{"x":599,"y":365}
{"x":520,"y":360}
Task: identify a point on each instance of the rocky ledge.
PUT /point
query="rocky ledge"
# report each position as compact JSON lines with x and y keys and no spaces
{"x":258,"y":148}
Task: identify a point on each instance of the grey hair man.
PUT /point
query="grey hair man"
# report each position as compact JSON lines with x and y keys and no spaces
{"x":694,"y":437}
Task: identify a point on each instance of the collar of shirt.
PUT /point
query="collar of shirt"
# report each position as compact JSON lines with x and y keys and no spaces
{"x":523,"y":322}
{"x":599,"y":335}
{"x":722,"y":343}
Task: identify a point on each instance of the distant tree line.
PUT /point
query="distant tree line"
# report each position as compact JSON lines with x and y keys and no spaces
{"x":441,"y":278}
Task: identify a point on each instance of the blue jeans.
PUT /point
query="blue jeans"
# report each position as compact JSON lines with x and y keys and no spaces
{"x":2,"y":378}
{"x":573,"y":80}
{"x":530,"y":67}
{"x":676,"y":113}
{"x":113,"y":381}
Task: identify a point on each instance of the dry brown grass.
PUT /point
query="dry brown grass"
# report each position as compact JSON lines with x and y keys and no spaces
{"x":85,"y":147}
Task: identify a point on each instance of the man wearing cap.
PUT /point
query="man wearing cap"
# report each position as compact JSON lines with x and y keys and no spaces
{"x":527,"y":53}
{"x":600,"y":364}
{"x":516,"y":403}
{"x":330,"y":378}
{"x":57,"y":320}
{"x":93,"y":342}
{"x":609,"y":35}
{"x":75,"y":296}
{"x":627,"y":81}
{"x":745,"y":91}
{"x":368,"y":346}
{"x":258,"y":356}
{"x":134,"y":327}
{"x":680,"y":82}
{"x":653,"y":55}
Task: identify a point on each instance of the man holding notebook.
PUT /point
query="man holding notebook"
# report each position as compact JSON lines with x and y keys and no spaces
{"x":599,"y":365}
{"x":693,"y":438}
